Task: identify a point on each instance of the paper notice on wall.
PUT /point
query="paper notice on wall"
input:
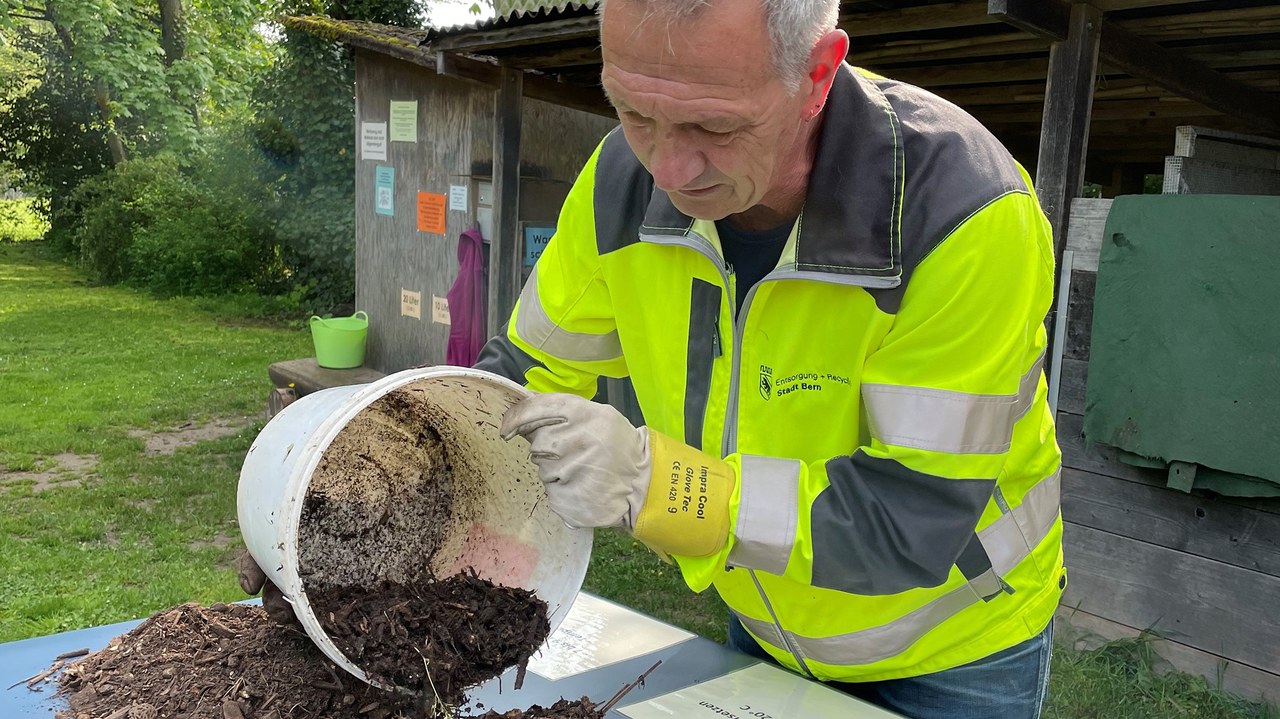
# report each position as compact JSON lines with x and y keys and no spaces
{"x":760,"y":691}
{"x":385,"y":190}
{"x":431,"y":212}
{"x":373,"y":141}
{"x":439,"y":310}
{"x":458,"y":198}
{"x":596,"y":633}
{"x":404,"y":121}
{"x":410,"y":304}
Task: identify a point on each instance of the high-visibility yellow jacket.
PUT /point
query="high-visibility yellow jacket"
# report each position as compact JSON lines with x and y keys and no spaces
{"x":880,"y":392}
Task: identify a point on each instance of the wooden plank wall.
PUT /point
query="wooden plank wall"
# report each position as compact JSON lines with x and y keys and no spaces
{"x":455,"y":147}
{"x":1201,"y":571}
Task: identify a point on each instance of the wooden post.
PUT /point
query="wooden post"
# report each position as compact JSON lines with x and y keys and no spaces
{"x":1064,"y":131}
{"x":504,"y":246}
{"x":1064,"y":137}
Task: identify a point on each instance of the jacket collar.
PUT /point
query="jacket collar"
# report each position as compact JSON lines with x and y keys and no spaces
{"x":851,"y":220}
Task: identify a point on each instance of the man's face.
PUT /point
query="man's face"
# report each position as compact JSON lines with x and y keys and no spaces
{"x":701,"y":105}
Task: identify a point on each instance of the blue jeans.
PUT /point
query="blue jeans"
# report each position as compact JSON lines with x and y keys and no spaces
{"x":1010,"y":684}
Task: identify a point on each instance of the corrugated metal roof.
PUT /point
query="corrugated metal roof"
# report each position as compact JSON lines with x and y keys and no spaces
{"x":504,"y":9}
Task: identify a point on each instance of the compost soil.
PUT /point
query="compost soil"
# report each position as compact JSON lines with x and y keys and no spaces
{"x":582,"y":708}
{"x":233,"y":662}
{"x":221,"y":662}
{"x":436,"y":637}
{"x":382,"y":499}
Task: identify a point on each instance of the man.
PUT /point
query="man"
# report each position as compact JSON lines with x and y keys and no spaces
{"x":828,"y":290}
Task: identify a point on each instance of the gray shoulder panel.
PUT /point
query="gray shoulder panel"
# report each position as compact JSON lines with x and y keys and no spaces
{"x":954,"y":167}
{"x":621,"y":193}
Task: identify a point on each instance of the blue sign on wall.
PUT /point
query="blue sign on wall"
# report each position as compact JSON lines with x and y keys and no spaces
{"x":536,"y":238}
{"x":385,"y":190}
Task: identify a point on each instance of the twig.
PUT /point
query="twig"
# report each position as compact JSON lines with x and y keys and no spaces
{"x":627,"y":689}
{"x":37,"y":678}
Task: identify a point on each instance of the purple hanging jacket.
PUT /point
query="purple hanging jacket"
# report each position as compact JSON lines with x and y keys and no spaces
{"x":468,"y":303}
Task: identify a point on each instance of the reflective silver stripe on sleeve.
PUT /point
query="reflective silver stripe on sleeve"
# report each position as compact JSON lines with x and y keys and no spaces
{"x":1006,"y":544}
{"x":535,"y":327}
{"x":942,"y":420}
{"x":767,"y":514}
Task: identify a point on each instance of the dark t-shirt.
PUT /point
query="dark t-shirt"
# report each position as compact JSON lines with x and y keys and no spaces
{"x":751,"y":254}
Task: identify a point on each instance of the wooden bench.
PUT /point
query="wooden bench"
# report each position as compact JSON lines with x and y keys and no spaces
{"x":301,"y":377}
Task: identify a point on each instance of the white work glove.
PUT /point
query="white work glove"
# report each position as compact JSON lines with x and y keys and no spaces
{"x":595,"y":464}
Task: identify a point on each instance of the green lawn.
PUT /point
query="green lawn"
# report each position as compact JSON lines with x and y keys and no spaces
{"x":82,"y":367}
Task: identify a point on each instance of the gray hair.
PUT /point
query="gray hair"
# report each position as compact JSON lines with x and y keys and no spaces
{"x":794,"y":28}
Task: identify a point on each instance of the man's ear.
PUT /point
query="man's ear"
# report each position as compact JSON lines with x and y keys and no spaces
{"x":824,"y":62}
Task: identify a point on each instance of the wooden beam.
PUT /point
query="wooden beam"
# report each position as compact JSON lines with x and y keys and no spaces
{"x":1194,"y":80}
{"x":543,"y":59}
{"x":538,"y":87}
{"x":1046,"y":19}
{"x":1216,"y":23}
{"x":1068,"y":104}
{"x":971,"y":73}
{"x":1137,"y":56}
{"x":504,"y":247}
{"x":949,"y":49}
{"x":1064,"y":131}
{"x":477,"y":42}
{"x":937,"y":16}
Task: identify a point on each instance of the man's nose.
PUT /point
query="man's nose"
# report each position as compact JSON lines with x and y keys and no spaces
{"x":675,"y":162}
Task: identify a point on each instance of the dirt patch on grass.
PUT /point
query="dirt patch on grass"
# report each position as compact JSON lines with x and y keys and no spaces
{"x":64,"y":470}
{"x":188,"y":434}
{"x":220,"y":541}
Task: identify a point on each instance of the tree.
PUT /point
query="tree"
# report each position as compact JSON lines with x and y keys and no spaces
{"x":305,"y":109}
{"x":154,"y":65}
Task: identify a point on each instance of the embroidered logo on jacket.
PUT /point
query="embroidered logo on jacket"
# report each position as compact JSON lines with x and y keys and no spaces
{"x":766,"y":381}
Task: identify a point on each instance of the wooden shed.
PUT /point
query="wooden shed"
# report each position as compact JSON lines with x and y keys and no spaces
{"x":1077,"y":90}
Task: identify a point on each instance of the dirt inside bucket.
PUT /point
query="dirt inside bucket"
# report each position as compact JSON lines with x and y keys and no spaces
{"x":382,"y":499}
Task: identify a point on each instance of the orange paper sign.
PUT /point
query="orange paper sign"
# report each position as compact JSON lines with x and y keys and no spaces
{"x":431,"y":208}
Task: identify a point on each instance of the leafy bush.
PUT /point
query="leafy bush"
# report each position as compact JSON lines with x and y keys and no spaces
{"x":20,"y":220}
{"x":197,"y":229}
{"x":107,"y":210}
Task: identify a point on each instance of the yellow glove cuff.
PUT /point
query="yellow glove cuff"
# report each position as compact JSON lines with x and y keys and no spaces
{"x":686,"y":509}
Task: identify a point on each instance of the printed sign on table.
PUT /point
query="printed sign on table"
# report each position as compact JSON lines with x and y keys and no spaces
{"x":597,"y":633}
{"x":760,"y":691}
{"x":431,"y":212}
{"x":404,"y":121}
{"x":373,"y":141}
{"x":385,"y":190}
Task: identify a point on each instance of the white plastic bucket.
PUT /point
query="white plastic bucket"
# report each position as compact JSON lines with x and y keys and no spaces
{"x":505,"y":531}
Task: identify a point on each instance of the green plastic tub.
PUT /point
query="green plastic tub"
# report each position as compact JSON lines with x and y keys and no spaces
{"x":340,"y":341}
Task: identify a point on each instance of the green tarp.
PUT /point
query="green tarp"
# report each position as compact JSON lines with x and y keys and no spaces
{"x":1184,"y":368}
